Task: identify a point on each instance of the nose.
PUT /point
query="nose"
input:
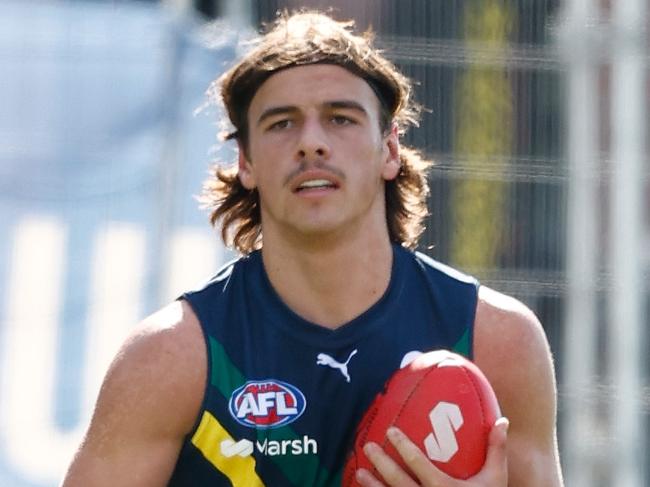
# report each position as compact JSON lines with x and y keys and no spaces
{"x":313,"y":144}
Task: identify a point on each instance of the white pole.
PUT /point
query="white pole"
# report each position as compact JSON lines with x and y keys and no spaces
{"x":626,"y":334}
{"x":177,"y":6}
{"x":238,"y":13}
{"x":582,"y":245}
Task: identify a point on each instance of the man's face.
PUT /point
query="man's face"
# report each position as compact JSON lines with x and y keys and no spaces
{"x":316,"y":153}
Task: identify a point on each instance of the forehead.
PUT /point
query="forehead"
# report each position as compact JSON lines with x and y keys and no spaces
{"x":313,"y":85}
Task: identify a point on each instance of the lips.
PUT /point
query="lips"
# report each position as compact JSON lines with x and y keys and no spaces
{"x":314,"y":180}
{"x":315,"y":184}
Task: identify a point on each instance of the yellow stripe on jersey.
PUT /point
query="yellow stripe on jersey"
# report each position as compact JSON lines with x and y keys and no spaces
{"x":208,"y":438}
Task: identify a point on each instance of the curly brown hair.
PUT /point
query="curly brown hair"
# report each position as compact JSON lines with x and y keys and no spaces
{"x":301,"y":39}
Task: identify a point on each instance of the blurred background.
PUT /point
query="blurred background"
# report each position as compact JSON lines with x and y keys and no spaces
{"x":537,"y":117}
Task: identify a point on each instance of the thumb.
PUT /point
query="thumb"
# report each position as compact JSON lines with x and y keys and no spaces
{"x":496,"y":454}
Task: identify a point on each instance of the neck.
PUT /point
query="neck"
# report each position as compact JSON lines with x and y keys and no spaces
{"x":329,"y":282}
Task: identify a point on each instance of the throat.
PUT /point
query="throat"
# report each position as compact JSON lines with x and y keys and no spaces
{"x":331,"y":293}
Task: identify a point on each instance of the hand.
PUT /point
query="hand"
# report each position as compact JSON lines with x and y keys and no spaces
{"x":493,"y":474}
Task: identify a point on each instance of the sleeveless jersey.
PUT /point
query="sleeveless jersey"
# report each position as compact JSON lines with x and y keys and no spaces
{"x":284,"y":395}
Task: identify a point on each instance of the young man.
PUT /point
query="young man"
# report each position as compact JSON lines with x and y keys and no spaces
{"x":260,"y":377}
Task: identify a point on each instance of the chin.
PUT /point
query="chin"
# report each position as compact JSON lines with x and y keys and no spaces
{"x":318,"y":230}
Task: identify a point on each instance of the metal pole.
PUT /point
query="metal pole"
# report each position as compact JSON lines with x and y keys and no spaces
{"x":626,"y":324}
{"x":579,"y":362}
{"x":168,"y":166}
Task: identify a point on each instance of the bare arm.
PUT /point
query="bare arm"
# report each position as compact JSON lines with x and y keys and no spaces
{"x":148,"y":402}
{"x":511,"y":348}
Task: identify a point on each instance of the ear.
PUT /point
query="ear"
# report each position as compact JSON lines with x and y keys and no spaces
{"x":392,"y":163}
{"x":245,"y":171}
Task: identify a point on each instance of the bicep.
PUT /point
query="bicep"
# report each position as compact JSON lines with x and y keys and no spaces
{"x":148,"y":402}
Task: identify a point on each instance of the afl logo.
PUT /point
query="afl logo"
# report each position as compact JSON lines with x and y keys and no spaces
{"x":266,"y":404}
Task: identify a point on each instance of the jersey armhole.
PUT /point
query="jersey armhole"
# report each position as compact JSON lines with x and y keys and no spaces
{"x":472,"y":323}
{"x":208,"y":368}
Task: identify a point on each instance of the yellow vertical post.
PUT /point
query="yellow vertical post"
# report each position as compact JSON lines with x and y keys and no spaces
{"x":483,"y":135}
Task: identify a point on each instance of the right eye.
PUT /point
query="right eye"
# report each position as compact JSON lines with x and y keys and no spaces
{"x":281,"y":124}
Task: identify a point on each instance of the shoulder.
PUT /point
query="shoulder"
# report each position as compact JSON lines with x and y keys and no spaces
{"x":162,"y":362}
{"x":170,"y":335}
{"x":506,"y":333}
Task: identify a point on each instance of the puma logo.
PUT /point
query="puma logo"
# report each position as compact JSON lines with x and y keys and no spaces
{"x":324,"y":359}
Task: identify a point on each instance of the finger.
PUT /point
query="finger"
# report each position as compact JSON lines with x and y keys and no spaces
{"x":390,"y":471}
{"x":416,"y":459}
{"x":366,"y":479}
{"x":497,"y":457}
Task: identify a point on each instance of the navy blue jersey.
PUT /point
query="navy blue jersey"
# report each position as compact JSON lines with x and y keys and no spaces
{"x":284,"y":395}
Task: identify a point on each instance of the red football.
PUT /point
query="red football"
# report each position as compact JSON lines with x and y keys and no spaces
{"x":443,"y":403}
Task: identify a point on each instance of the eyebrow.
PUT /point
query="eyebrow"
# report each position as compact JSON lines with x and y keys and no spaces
{"x":288,"y":109}
{"x":347,"y":104}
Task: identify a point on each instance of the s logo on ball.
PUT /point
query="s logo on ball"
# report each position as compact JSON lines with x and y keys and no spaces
{"x":443,"y":403}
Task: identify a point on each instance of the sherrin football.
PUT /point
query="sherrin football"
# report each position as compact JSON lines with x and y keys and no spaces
{"x":443,"y":403}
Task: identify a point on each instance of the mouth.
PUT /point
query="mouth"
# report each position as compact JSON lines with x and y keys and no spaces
{"x":315,"y":184}
{"x":317,"y":181}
